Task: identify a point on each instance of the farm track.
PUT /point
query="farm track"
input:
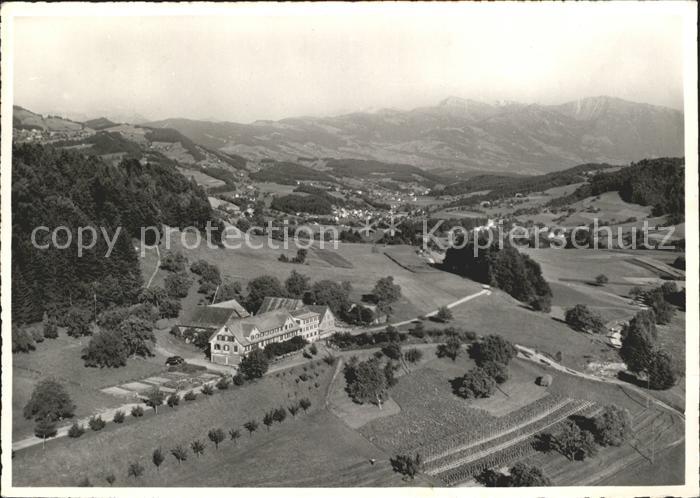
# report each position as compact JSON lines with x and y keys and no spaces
{"x":635,"y":452}
{"x":573,"y":408}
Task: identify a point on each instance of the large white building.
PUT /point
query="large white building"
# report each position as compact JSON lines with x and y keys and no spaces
{"x":232,"y":332}
{"x":239,"y":337}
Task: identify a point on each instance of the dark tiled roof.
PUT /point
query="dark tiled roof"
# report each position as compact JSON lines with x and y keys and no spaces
{"x":234,"y":305}
{"x":208,"y":317}
{"x":280,"y":303}
{"x":320,"y":309}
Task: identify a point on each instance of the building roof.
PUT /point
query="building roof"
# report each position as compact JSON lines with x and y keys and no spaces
{"x":242,"y":328}
{"x":234,"y":305}
{"x":304,"y":313}
{"x":280,"y":303}
{"x":208,"y":317}
{"x":320,"y":309}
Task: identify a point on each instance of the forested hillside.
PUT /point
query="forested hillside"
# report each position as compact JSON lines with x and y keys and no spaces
{"x":651,"y":182}
{"x":53,"y":187}
{"x":500,"y":186}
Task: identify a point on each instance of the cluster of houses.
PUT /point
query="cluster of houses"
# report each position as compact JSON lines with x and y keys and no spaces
{"x":233,"y":332}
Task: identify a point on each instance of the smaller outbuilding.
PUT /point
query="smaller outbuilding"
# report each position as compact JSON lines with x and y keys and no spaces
{"x":544,"y":380}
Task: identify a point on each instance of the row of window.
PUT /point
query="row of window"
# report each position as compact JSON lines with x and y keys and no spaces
{"x":226,"y":347}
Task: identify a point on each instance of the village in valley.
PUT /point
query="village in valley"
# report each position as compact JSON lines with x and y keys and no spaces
{"x":466,"y":294}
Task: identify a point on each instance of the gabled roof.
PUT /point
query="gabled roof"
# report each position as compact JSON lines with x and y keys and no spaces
{"x":243,"y":327}
{"x":320,"y":309}
{"x":304,"y":313}
{"x":234,"y":305}
{"x":208,"y":317}
{"x":280,"y":303}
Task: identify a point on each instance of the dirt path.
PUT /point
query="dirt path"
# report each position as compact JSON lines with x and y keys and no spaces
{"x":155,"y":271}
{"x":431,"y":313}
{"x":534,"y":356}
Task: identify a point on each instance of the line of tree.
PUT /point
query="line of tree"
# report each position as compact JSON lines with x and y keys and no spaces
{"x":579,"y":437}
{"x":644,"y":356}
{"x":502,"y":267}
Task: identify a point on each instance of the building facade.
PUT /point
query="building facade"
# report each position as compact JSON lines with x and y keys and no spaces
{"x":238,"y":337}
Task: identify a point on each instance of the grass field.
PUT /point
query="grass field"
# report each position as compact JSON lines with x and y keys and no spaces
{"x":608,"y":466}
{"x":202,"y":179}
{"x":503,"y":315}
{"x":60,"y":359}
{"x":66,"y":461}
{"x":422,"y":292}
{"x":431,"y":411}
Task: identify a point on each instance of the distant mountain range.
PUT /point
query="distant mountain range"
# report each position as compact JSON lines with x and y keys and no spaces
{"x":460,"y":135}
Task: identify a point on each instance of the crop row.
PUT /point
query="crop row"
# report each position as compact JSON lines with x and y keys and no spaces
{"x":462,"y":454}
{"x":496,"y":459}
{"x":513,"y":438}
{"x":504,"y":456}
{"x":496,"y":428}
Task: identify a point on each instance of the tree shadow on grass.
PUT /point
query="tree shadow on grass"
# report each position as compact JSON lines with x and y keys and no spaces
{"x":631,"y":379}
{"x":455,"y":385}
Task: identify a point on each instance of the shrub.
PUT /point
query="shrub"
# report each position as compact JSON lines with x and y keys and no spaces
{"x":612,"y":426}
{"x":190,"y":396}
{"x":76,"y":430}
{"x":180,"y":453}
{"x":254,"y":365}
{"x":50,"y":328}
{"x":96,"y":423}
{"x":280,"y":414}
{"x":198,"y":447}
{"x":313,"y":349}
{"x":444,"y":314}
{"x":392,"y":350}
{"x":173,"y":400}
{"x":583,"y":319}
{"x":135,"y":470}
{"x":216,"y":436}
{"x":235,"y":434}
{"x":157,"y":457}
{"x":137,"y":411}
{"x":37,"y":336}
{"x":476,"y":383}
{"x":406,"y":464}
{"x":413,"y":355}
{"x":238,"y":379}
{"x":207,"y":390}
{"x":492,"y":348}
{"x":223,"y":383}
{"x":497,"y":371}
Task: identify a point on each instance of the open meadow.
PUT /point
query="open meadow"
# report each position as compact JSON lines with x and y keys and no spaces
{"x":66,"y":461}
{"x":423,"y":288}
{"x":60,"y":359}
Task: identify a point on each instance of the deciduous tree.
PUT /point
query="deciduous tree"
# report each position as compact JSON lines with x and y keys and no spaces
{"x":49,"y":399}
{"x":216,"y":436}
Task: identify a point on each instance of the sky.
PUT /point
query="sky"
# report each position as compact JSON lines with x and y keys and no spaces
{"x":248,"y":63}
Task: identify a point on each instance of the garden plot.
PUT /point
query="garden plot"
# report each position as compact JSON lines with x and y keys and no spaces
{"x":168,"y":382}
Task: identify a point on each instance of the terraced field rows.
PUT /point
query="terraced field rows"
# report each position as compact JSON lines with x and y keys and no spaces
{"x":514,"y":437}
{"x":494,"y":428}
{"x":513,"y":446}
{"x":500,"y":434}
